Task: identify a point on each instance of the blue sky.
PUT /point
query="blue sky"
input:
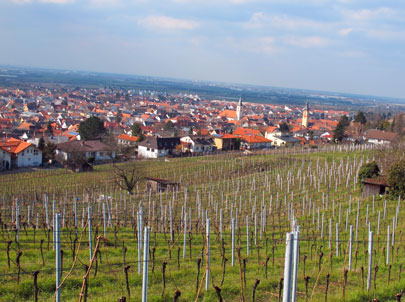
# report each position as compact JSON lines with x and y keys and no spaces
{"x":355,"y":46}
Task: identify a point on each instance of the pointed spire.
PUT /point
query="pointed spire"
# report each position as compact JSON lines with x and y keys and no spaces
{"x":307,"y":107}
{"x":240,"y":101}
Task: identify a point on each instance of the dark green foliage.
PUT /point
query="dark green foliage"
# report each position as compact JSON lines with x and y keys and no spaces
{"x":49,"y":129}
{"x":360,"y":118}
{"x":136,"y":129}
{"x":396,"y":178}
{"x":284,"y":127}
{"x":48,"y":152}
{"x":168,"y":126}
{"x":91,"y":129}
{"x":368,"y":170}
{"x":339,"y":132}
{"x":41,"y":144}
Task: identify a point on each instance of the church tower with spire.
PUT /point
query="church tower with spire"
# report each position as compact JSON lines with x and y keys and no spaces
{"x":239,"y":110}
{"x":305,"y":114}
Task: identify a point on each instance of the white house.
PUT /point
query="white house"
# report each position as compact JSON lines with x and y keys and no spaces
{"x":197,"y":144}
{"x":285,"y":140}
{"x":378,"y":137}
{"x":21,"y":154}
{"x":95,"y":149}
{"x":155,"y":147}
{"x":127,"y":140}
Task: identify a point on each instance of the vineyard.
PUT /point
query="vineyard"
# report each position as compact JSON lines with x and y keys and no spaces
{"x":222,"y":234}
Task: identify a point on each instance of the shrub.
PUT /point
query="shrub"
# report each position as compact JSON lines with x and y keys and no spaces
{"x":396,"y":178}
{"x":368,"y":170}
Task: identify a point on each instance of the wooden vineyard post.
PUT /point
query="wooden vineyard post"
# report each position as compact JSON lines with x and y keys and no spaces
{"x":185,"y":235}
{"x":75,"y":212}
{"x":207,"y":274}
{"x":145,"y":265}
{"x":58,"y":256}
{"x":337,"y":239}
{"x":247,"y":235}
{"x":370,"y":259}
{"x":233,"y":241}
{"x":288,"y":267}
{"x":350,"y":247}
{"x":17,"y":221}
{"x":220,"y":223}
{"x":139,"y":217}
{"x":90,"y":211}
{"x":104,"y":222}
{"x":388,"y":245}
{"x":296,"y":257}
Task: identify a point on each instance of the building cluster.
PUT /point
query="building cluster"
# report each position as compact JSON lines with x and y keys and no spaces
{"x":169,"y":123}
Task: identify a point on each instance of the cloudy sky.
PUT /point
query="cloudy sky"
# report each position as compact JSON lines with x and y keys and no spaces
{"x":353,"y":46}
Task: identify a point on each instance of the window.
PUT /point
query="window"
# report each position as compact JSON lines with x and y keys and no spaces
{"x":22,"y":153}
{"x":35,"y":152}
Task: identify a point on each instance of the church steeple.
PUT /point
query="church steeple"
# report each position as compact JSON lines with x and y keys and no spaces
{"x":239,"y":109}
{"x":305,"y":114}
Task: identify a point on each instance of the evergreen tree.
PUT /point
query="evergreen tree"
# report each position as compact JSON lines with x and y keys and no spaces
{"x":360,"y":118}
{"x":91,"y":129}
{"x":284,"y":127}
{"x":339,"y":132}
{"x":396,"y":178}
{"x":136,"y":129}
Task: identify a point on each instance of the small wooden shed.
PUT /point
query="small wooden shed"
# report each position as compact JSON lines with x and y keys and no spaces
{"x":374,"y":186}
{"x":160,"y":185}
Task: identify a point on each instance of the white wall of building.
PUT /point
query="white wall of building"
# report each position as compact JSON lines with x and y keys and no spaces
{"x":151,"y":153}
{"x":30,"y":157}
{"x":5,"y":158}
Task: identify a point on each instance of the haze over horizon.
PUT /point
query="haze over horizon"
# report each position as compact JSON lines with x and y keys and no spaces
{"x":347,"y":46}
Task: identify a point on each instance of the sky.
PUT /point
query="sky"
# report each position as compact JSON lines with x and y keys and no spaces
{"x":355,"y":46}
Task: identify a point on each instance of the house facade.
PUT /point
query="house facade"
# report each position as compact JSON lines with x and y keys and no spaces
{"x":378,"y":137}
{"x":5,"y":159}
{"x":127,"y":140}
{"x":155,"y":147}
{"x":226,"y":142}
{"x":197,"y":144}
{"x":250,"y":142}
{"x":285,"y":140}
{"x":18,"y":154}
{"x":96,"y":149}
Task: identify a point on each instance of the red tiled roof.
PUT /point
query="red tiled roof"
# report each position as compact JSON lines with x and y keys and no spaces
{"x":128,"y":137}
{"x":15,"y":146}
{"x":251,"y":139}
{"x":246,"y":131}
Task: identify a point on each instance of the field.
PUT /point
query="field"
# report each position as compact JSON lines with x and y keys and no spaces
{"x":264,"y":193}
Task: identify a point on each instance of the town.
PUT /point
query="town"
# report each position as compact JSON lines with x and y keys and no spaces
{"x":79,"y":127}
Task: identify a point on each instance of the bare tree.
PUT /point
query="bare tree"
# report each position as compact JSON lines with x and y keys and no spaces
{"x":127,"y":177}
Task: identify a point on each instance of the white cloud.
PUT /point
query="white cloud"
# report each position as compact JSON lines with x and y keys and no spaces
{"x":387,"y":35}
{"x":284,"y":22}
{"x":369,"y":14}
{"x":306,"y":42}
{"x":105,"y":3}
{"x":21,"y":1}
{"x":43,"y":1}
{"x":345,"y":31}
{"x":261,"y":45}
{"x":165,"y":23}
{"x":57,"y":1}
{"x":352,"y":54}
